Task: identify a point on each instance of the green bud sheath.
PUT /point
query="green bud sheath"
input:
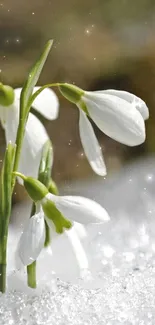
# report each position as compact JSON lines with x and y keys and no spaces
{"x":55,"y":216}
{"x":71,"y":92}
{"x":6,"y":95}
{"x":52,"y":188}
{"x":35,"y":189}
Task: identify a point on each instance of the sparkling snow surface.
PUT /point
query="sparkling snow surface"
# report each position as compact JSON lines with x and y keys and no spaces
{"x":119,"y":287}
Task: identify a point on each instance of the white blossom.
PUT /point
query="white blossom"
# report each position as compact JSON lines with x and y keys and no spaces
{"x":35,"y":134}
{"x":73,"y":209}
{"x":119,"y":114}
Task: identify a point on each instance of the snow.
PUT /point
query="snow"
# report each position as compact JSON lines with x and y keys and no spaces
{"x":119,"y":286}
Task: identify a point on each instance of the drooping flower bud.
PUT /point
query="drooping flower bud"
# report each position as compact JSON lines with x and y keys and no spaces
{"x":71,"y":92}
{"x":35,"y":189}
{"x":6,"y":95}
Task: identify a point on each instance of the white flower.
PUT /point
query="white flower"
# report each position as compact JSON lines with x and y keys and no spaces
{"x":35,"y":134}
{"x":67,"y":211}
{"x":118,"y":114}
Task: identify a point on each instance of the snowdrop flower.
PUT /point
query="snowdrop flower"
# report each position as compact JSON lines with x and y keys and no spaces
{"x":118,"y":114}
{"x":60,"y":213}
{"x":35,"y":134}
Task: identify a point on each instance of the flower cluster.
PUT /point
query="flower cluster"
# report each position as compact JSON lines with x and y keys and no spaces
{"x":60,"y":213}
{"x":119,"y":114}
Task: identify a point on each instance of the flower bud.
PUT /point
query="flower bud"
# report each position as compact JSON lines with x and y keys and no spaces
{"x":36,"y":190}
{"x":71,"y":92}
{"x":6,"y":95}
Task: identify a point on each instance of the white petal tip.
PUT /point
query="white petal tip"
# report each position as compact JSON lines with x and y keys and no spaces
{"x":81,"y":209}
{"x":99,"y":171}
{"x":103,"y":218}
{"x":106,"y":217}
{"x":91,"y":146}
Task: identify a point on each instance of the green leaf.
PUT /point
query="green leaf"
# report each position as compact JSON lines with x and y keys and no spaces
{"x":1,"y":200}
{"x":6,"y":182}
{"x":33,"y":78}
{"x":44,"y":177}
{"x":47,"y":235}
{"x":46,"y":163}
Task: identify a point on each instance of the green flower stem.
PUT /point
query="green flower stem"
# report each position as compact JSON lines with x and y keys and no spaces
{"x":33,"y":97}
{"x":2,"y":277}
{"x":3,"y":256}
{"x":19,"y":141}
{"x":5,"y":215}
{"x":3,"y":248}
{"x":31,"y":275}
{"x":31,"y":269}
{"x":8,"y":179}
{"x":5,"y":209}
{"x":47,"y":235}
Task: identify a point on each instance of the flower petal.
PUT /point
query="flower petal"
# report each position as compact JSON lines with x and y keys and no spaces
{"x":34,"y":139}
{"x":90,"y":145}
{"x":132,"y":99}
{"x":46,"y":103}
{"x":77,"y":248}
{"x":32,"y":239}
{"x":80,"y":230}
{"x":17,"y":93}
{"x":114,"y":117}
{"x":79,"y":209}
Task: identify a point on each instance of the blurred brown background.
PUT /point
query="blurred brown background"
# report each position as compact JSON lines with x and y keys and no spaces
{"x":98,"y":44}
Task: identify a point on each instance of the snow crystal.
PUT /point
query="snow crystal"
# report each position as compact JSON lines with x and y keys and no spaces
{"x":119,"y":286}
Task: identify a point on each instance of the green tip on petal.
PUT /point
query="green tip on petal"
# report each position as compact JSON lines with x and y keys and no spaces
{"x":53,"y":214}
{"x":71,"y":92}
{"x":6,"y":95}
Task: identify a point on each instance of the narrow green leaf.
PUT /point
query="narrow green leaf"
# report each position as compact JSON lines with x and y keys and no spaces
{"x":7,"y":178}
{"x":5,"y":209}
{"x":46,"y":163}
{"x":1,"y":201}
{"x":44,"y":176}
{"x":47,"y":235}
{"x":33,"y":78}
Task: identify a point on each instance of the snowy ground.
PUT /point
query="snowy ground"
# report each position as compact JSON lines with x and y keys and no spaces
{"x":119,"y":287}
